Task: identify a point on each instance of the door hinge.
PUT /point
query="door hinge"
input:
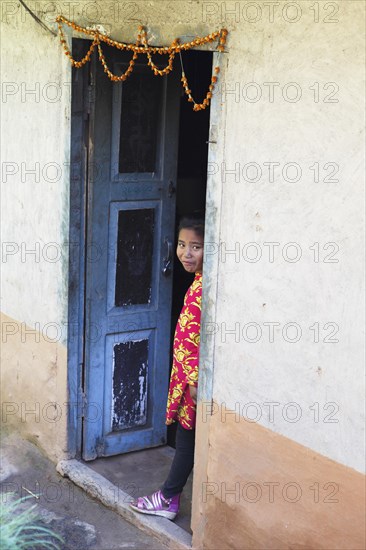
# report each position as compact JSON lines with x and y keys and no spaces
{"x":83,"y":404}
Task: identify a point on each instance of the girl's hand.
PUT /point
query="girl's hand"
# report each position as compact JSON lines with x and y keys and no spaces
{"x":193,"y":394}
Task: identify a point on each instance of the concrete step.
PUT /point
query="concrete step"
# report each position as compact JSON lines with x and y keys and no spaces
{"x":112,"y":496}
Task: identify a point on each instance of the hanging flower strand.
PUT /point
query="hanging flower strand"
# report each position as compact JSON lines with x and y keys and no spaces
{"x":129,"y":69}
{"x":142,"y":48}
{"x":171,"y":51}
{"x":206,"y":101}
{"x":87,"y":56}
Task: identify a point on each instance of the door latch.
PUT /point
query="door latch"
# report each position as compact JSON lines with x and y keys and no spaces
{"x":171,"y":189}
{"x":167,"y":262}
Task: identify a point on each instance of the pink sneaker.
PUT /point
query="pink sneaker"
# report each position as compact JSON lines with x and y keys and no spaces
{"x":157,"y":505}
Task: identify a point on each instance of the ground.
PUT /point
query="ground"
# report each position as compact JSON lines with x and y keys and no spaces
{"x":83,"y":522}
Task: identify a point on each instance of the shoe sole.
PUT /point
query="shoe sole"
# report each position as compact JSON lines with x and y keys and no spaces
{"x":162,"y":513}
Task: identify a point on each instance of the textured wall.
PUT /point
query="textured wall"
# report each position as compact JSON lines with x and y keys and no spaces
{"x":35,"y":113}
{"x":288,"y":328}
{"x":274,"y":494}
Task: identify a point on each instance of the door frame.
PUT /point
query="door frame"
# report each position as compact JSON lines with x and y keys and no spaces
{"x":210,"y":284}
{"x":81,"y":130}
{"x":80,"y":147}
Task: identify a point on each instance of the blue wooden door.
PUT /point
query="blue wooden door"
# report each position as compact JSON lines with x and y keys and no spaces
{"x":130,"y":237}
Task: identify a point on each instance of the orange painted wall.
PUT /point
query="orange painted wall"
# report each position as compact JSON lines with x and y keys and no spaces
{"x":33,"y":386}
{"x":264,"y":491}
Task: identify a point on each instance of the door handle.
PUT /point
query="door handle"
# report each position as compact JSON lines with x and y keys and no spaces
{"x":167,"y":261}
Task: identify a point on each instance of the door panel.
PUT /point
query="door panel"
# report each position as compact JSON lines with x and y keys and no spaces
{"x":139,"y":105}
{"x":133,"y":255}
{"x":130,"y":227}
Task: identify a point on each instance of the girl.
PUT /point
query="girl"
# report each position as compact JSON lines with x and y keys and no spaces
{"x":182,"y":394}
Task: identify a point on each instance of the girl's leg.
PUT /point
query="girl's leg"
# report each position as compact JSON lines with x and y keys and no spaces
{"x":182,"y":463}
{"x":165,"y":502}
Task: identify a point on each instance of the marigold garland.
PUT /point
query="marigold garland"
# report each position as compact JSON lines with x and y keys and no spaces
{"x":142,"y":48}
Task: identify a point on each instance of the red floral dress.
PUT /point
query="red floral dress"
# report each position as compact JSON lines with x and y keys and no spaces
{"x":180,"y":405}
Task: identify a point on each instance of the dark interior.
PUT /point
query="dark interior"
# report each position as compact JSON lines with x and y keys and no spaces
{"x":192,"y":167}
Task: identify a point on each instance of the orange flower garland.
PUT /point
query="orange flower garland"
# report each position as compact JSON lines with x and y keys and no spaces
{"x":142,"y":47}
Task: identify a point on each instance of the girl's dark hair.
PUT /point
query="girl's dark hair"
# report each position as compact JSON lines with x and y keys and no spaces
{"x":195,"y":221}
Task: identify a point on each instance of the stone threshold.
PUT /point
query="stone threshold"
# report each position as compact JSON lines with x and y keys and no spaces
{"x":100,"y":488}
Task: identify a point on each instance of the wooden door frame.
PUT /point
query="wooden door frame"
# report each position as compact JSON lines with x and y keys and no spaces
{"x":81,"y":130}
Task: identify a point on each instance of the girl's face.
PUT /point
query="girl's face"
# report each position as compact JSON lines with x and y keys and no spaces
{"x":190,"y":250}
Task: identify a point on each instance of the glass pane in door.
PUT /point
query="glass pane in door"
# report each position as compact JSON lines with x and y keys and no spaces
{"x":141,"y":101}
{"x":135,"y":243}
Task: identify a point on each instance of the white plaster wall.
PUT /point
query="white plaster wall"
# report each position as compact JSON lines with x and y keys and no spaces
{"x":305,"y":212}
{"x":35,"y":135}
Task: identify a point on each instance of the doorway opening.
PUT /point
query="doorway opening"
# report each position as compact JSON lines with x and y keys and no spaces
{"x":192,"y":172}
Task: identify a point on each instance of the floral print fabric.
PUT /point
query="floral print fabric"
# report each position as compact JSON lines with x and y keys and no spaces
{"x":184,"y":373}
